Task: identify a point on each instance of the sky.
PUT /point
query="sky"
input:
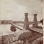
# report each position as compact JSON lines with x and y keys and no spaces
{"x":15,"y":9}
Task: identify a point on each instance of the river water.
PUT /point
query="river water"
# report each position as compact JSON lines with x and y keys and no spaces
{"x":5,"y":29}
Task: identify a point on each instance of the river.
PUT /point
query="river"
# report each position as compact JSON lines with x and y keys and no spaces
{"x":5,"y":29}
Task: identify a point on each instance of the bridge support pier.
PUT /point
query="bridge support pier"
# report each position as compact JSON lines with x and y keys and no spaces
{"x":26,"y":22}
{"x":35,"y":21}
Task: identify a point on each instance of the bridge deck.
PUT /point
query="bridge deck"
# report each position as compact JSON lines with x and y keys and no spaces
{"x":37,"y":30}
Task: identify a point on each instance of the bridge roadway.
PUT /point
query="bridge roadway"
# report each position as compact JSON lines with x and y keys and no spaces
{"x":37,"y":30}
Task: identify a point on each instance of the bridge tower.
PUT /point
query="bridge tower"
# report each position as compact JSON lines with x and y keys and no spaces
{"x":35,"y":21}
{"x":26,"y":22}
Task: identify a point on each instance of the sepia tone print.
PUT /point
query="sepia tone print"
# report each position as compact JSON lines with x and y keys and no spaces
{"x":21,"y":22}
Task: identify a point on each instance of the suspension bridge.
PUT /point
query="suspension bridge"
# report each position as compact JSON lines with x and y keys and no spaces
{"x":35,"y":29}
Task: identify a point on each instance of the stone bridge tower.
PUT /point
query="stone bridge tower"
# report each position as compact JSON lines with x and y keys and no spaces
{"x":26,"y":22}
{"x":35,"y":21}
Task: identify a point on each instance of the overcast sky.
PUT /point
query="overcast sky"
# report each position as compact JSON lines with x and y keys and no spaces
{"x":15,"y":9}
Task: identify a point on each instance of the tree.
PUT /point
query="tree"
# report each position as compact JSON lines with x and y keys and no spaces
{"x":13,"y":28}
